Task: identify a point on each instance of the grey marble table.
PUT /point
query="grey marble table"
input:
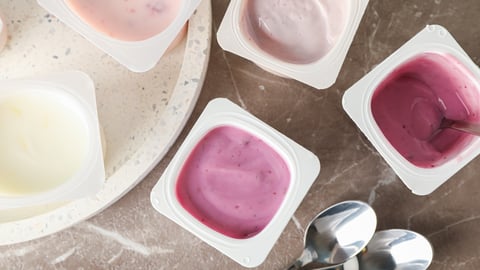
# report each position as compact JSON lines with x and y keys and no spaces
{"x":131,"y":235}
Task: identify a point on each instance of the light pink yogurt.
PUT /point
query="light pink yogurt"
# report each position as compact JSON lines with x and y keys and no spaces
{"x":298,"y":32}
{"x":410,"y":103}
{"x":127,"y":20}
{"x":233,"y":182}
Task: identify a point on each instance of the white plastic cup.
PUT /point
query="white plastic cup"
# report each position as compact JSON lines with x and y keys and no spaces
{"x":303,"y":166}
{"x":53,"y":140}
{"x":137,"y":56}
{"x":357,"y":103}
{"x":341,"y":17}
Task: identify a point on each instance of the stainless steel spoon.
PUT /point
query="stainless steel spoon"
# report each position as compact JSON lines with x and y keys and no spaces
{"x":472,"y":128}
{"x":393,"y":250}
{"x":428,"y":120}
{"x":336,"y":235}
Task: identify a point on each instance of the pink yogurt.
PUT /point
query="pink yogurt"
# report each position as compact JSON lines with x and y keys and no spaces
{"x":410,"y":103}
{"x":233,"y":182}
{"x":297,"y":32}
{"x":127,"y":20}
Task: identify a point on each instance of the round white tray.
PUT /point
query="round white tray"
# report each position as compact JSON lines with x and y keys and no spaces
{"x":141,"y":113}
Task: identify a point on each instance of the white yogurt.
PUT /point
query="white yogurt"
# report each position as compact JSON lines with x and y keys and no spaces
{"x":44,"y":142}
{"x":50,"y":141}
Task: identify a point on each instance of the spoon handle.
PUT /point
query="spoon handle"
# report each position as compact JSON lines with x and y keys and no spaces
{"x":472,"y":128}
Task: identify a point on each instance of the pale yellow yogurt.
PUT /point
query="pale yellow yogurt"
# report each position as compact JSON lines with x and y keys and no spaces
{"x":43,"y":142}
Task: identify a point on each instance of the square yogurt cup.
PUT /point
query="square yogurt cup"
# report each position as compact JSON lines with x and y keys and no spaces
{"x":137,"y":56}
{"x":303,"y":165}
{"x":75,"y":89}
{"x":357,"y":104}
{"x":319,"y":74}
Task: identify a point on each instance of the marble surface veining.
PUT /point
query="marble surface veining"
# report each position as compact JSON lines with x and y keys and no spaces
{"x":131,"y":235}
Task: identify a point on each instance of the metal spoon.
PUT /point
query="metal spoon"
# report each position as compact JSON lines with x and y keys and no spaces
{"x":472,"y":128}
{"x":428,"y":120}
{"x":336,"y":235}
{"x":393,"y":250}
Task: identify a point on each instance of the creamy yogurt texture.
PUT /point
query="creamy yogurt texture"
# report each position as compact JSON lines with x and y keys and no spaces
{"x":411,"y":102}
{"x":43,"y":143}
{"x":127,"y":20}
{"x":233,"y":182}
{"x":298,"y":32}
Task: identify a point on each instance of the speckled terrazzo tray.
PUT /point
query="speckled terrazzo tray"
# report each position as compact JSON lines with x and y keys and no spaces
{"x":141,"y":114}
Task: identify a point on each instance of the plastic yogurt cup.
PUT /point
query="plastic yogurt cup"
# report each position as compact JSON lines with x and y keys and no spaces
{"x":135,"y":33}
{"x":304,"y":40}
{"x":235,"y":182}
{"x":3,"y":32}
{"x":50,"y":140}
{"x":399,"y":106}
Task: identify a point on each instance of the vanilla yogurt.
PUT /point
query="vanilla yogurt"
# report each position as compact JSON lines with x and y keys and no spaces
{"x":44,"y":142}
{"x":50,"y":141}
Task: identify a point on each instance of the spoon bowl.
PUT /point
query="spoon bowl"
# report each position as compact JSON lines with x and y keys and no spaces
{"x":396,"y":249}
{"x":336,"y":235}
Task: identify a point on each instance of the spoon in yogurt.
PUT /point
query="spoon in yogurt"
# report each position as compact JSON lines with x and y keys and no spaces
{"x":393,"y":250}
{"x":468,"y":127}
{"x":336,"y":235}
{"x":428,"y":121}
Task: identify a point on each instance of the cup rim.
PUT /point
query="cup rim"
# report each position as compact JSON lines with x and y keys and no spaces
{"x":422,"y":181}
{"x":303,"y":166}
{"x":137,"y":56}
{"x":59,"y":93}
{"x":231,"y":38}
